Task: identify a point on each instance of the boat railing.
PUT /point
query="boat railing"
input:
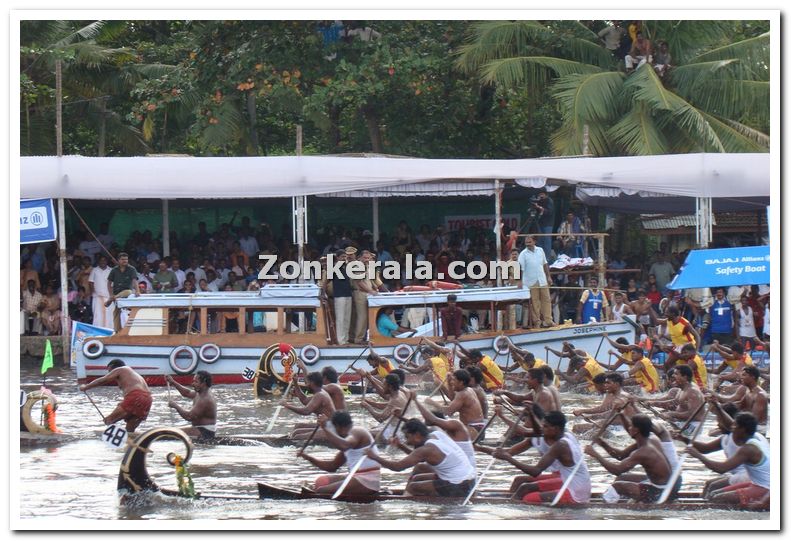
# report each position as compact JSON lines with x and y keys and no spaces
{"x":440,"y":296}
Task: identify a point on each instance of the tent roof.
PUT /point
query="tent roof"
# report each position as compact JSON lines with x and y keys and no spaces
{"x":689,"y":175}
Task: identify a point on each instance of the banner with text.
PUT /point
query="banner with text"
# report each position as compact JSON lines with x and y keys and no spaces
{"x":36,"y":221}
{"x":484,"y":221}
{"x":724,"y":267}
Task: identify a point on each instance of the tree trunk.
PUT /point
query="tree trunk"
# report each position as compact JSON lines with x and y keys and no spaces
{"x":252,"y":117}
{"x":374,"y":131}
{"x":335,"y":130}
{"x":163,"y":143}
{"x":27,"y":121}
{"x":102,"y":127}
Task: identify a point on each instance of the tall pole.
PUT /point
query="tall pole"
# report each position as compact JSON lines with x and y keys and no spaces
{"x":300,"y":212}
{"x":64,"y":283}
{"x":165,"y":228}
{"x":375,"y":208}
{"x":498,"y":240}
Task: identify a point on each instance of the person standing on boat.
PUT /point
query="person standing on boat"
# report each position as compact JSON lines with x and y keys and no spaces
{"x":352,"y":442}
{"x":753,"y":454}
{"x":454,"y":474}
{"x":203,"y":414}
{"x":122,"y":280}
{"x":102,"y":314}
{"x":361,"y":288}
{"x":319,"y":403}
{"x":535,"y":278}
{"x":462,"y":400}
{"x":593,"y":305}
{"x":451,"y":319}
{"x":137,"y":400}
{"x":562,"y":453}
{"x":342,"y":299}
{"x":645,"y":453}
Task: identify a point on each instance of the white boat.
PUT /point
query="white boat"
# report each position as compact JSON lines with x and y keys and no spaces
{"x":150,"y":344}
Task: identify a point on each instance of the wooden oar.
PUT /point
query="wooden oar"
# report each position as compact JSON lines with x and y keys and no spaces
{"x":480,"y":434}
{"x":674,"y":475}
{"x":599,"y":348}
{"x":359,"y":463}
{"x":692,"y":417}
{"x":94,"y":404}
{"x":567,"y":482}
{"x":310,"y":438}
{"x":655,"y":412}
{"x":279,"y":407}
{"x":353,"y":362}
{"x":507,"y":436}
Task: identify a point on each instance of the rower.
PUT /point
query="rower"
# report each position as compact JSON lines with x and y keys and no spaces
{"x":431,"y":363}
{"x":492,"y":372}
{"x":753,"y":454}
{"x":749,"y":396}
{"x":657,"y":468}
{"x":319,"y":403}
{"x":724,"y":442}
{"x":538,"y":393}
{"x":476,"y":382}
{"x":382,"y":411}
{"x":734,"y":358}
{"x":563,"y":454}
{"x":455,"y":476}
{"x":442,"y":351}
{"x":379,"y":386}
{"x":582,"y":368}
{"x":381,"y":366}
{"x":203,"y":414}
{"x":614,"y":398}
{"x":330,"y":384}
{"x":681,"y":333}
{"x":524,"y":359}
{"x":352,"y":442}
{"x":137,"y":400}
{"x":551,"y":382}
{"x":689,"y":355}
{"x":641,"y":371}
{"x":462,"y":400}
{"x":687,"y":401}
{"x":454,"y":428}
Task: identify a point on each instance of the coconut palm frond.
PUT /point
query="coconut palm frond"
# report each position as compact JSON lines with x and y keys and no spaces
{"x":644,"y":85}
{"x":694,"y":122}
{"x":568,"y":140}
{"x":589,"y":97}
{"x":229,"y":128}
{"x":584,"y":50}
{"x":88,"y":32}
{"x":737,"y":137}
{"x":686,"y":37}
{"x":752,"y":53}
{"x":728,"y":97}
{"x":638,"y":133}
{"x":128,"y":137}
{"x":535,"y":71}
{"x":490,"y":40}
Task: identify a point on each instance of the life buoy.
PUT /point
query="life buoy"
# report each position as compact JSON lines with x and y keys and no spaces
{"x":415,"y":288}
{"x":193,"y":360}
{"x":436,"y":284}
{"x":500,"y":344}
{"x":309,"y":354}
{"x":402,"y":352}
{"x":27,"y":419}
{"x":93,"y":349}
{"x":209,"y":359}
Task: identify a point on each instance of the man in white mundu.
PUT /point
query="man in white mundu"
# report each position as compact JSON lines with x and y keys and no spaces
{"x":102,"y":315}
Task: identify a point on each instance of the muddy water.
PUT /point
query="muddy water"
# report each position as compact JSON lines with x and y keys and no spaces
{"x":78,"y":479}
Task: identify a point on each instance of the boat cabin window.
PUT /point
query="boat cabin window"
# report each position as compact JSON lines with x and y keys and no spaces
{"x":182,"y":319}
{"x":223,"y":320}
{"x":292,"y":320}
{"x":262,"y":320}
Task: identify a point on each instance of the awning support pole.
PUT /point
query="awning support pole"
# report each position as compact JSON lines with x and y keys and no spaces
{"x":375,"y":209}
{"x":301,"y":203}
{"x":497,"y":322}
{"x":165,"y":228}
{"x":703,"y":221}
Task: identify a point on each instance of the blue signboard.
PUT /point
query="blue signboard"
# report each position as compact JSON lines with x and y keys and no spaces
{"x":36,"y":221}
{"x":79,"y":332}
{"x":724,"y":267}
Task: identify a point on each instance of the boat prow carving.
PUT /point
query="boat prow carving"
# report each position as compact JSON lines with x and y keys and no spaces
{"x":133,"y":476}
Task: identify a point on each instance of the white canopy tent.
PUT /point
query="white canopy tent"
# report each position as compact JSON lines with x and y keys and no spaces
{"x":75,"y":177}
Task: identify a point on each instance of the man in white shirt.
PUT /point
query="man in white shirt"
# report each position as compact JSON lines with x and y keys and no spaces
{"x":90,"y":248}
{"x":248,"y":243}
{"x":196,"y":270}
{"x":663,"y":271}
{"x":535,"y":275}
{"x":102,"y":315}
{"x":104,"y":236}
{"x":214,"y":283}
{"x":175,"y":266}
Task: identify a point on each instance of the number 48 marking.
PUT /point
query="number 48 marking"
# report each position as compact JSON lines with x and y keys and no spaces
{"x":114,"y":436}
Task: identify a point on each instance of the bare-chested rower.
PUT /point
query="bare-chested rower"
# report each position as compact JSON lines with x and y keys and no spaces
{"x":462,"y":400}
{"x":203,"y":414}
{"x":539,"y":394}
{"x":319,"y":403}
{"x":614,"y":398}
{"x":330,"y":384}
{"x":686,"y":403}
{"x":749,"y":396}
{"x":137,"y":400}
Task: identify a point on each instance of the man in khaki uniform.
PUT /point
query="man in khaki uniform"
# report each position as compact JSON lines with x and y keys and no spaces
{"x":360,"y":290}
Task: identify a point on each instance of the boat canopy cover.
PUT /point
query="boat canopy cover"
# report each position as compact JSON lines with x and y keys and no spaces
{"x":724,"y":267}
{"x":168,"y":177}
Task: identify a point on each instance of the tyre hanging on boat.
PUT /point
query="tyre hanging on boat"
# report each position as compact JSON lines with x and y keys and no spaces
{"x":309,"y":354}
{"x":500,"y":344}
{"x":174,"y":355}
{"x":213,"y":353}
{"x":93,"y":349}
{"x":275,"y":368}
{"x":49,"y":405}
{"x":402,"y":352}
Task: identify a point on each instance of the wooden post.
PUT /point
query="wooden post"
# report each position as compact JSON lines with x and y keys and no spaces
{"x":281,"y":320}
{"x":600,"y":238}
{"x":204,"y":320}
{"x":242,"y":319}
{"x":165,"y":228}
{"x":65,"y":332}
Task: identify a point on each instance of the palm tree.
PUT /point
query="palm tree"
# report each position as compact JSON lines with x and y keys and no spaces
{"x":714,"y":99}
{"x":93,"y":74}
